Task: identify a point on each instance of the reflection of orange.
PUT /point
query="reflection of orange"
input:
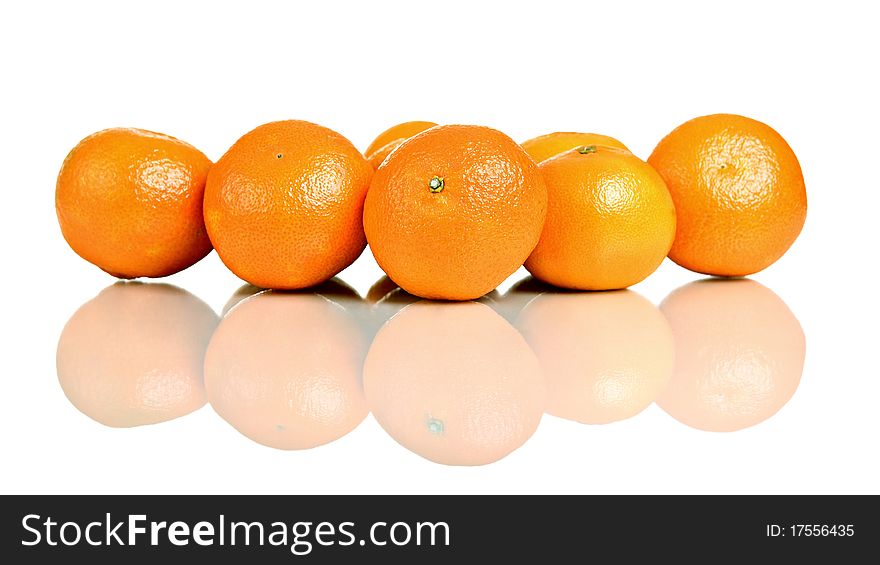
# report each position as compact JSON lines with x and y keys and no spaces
{"x":332,"y":289}
{"x":454,"y":383}
{"x":244,"y":291}
{"x":517,"y":296}
{"x":284,"y":368}
{"x":739,"y":354}
{"x":545,"y":146}
{"x":385,"y":299}
{"x":605,"y":356}
{"x":133,"y":355}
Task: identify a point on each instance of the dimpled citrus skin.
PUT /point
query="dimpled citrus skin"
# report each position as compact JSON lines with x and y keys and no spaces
{"x":543,"y":147}
{"x":130,"y":201}
{"x":399,"y":133}
{"x":738,"y":190}
{"x":378,"y":157}
{"x":610,"y":220}
{"x":462,"y":241}
{"x":283,"y":206}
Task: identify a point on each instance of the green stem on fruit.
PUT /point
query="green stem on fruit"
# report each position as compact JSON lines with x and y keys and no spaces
{"x":436,"y":184}
{"x":435,"y":426}
{"x":587,"y":149}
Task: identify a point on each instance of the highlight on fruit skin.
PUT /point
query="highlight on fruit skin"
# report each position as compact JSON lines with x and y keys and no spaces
{"x":391,"y":139}
{"x":130,"y":202}
{"x":610,"y":220}
{"x":133,"y":355}
{"x":335,"y":289}
{"x":284,"y":205}
{"x":454,"y":383}
{"x":606,"y":356}
{"x":284,"y":369}
{"x":739,"y":354}
{"x":403,"y":130}
{"x":546,"y":146}
{"x":738,"y":190}
{"x":454,"y":211}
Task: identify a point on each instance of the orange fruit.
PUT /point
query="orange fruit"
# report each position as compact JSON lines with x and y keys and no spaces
{"x":605,"y":356}
{"x":454,"y":211}
{"x":545,"y":146}
{"x":133,"y":355}
{"x":403,"y":130}
{"x":610,"y":220}
{"x":284,"y":370}
{"x":130,"y":201}
{"x":391,"y":138}
{"x":283,"y":206}
{"x":739,"y":354}
{"x":738,"y":190}
{"x":454,"y":383}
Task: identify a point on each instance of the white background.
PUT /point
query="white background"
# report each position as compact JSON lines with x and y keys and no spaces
{"x":207,"y":72}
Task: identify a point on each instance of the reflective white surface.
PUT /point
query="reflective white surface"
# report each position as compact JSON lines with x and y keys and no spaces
{"x":531,"y":388}
{"x":715,"y":386}
{"x":456,"y":383}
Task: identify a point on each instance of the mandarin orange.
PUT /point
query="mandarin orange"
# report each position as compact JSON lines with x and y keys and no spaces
{"x":610,"y":220}
{"x":454,"y":211}
{"x":391,"y":138}
{"x":130,"y":201}
{"x":283,"y":206}
{"x":545,"y":146}
{"x":738,"y":190}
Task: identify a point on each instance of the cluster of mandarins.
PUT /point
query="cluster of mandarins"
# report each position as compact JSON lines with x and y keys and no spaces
{"x":449,"y":211}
